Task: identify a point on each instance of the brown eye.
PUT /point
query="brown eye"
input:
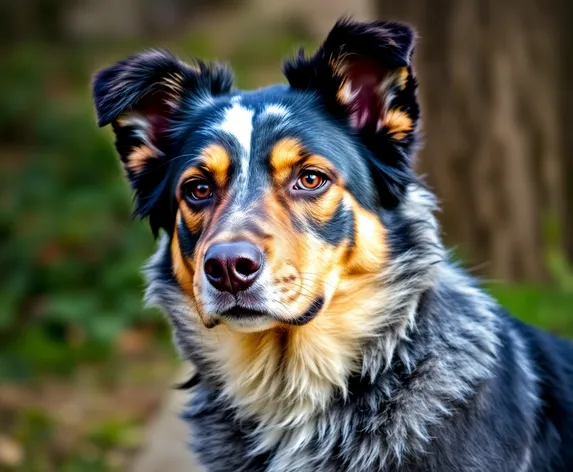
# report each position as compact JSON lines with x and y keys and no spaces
{"x":310,"y":180}
{"x":198,"y":190}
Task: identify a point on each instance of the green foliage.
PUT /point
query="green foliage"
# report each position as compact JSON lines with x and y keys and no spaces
{"x":546,"y":307}
{"x":70,"y":251}
{"x":115,"y":433}
{"x":36,"y":431}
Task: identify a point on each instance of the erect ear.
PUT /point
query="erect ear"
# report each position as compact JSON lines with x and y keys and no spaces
{"x":363,"y":74}
{"x":140,"y":97}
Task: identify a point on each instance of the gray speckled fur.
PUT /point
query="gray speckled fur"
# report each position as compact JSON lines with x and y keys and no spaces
{"x":448,"y":384}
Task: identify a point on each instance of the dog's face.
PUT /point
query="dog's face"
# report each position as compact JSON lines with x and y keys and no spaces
{"x":272,"y":198}
{"x":270,"y":212}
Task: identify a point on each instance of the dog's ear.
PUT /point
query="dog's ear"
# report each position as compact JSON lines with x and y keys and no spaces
{"x":363,"y":74}
{"x":140,"y":97}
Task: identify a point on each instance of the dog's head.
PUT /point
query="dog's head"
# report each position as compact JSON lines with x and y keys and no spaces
{"x":271,"y":198}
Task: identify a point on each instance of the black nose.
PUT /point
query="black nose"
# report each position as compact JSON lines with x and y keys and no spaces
{"x":232,"y":267}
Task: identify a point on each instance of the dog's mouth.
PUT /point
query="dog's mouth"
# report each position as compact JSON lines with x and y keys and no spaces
{"x":253,"y":319}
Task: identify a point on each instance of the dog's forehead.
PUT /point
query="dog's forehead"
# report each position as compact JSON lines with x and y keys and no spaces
{"x":249,"y":124}
{"x":253,"y":119}
{"x":254,"y":122}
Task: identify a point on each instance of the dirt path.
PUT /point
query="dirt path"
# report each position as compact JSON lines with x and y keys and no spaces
{"x":165,"y":448}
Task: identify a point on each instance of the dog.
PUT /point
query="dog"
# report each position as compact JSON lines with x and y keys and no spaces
{"x":301,"y":269}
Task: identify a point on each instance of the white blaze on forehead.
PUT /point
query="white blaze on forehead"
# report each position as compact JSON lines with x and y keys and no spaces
{"x":238,"y":122}
{"x":276,"y":110}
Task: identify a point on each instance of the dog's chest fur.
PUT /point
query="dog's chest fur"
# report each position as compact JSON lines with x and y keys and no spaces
{"x":384,"y":422}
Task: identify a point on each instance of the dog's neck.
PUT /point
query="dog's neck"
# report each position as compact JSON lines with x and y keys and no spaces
{"x":286,"y":380}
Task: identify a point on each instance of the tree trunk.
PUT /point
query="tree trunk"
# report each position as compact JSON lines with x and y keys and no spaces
{"x":489,"y":71}
{"x":566,"y":121}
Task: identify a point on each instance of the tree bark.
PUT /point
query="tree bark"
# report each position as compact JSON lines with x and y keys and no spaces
{"x":489,"y":72}
{"x":566,"y":121}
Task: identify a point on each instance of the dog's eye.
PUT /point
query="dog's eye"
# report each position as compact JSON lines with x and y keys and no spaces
{"x":197,"y":190}
{"x":310,"y":180}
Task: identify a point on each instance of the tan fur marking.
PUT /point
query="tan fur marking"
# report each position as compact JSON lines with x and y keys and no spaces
{"x":324,"y":208}
{"x":123,"y":121}
{"x":193,"y":219}
{"x":286,"y":154}
{"x":370,"y":249}
{"x":345,"y":95}
{"x":134,"y":119}
{"x":190,"y":173}
{"x":217,"y":160}
{"x":174,"y":83}
{"x":318,"y":261}
{"x":339,"y":64}
{"x":181,"y":269}
{"x":173,"y":89}
{"x":138,"y":157}
{"x":402,"y":77}
{"x":277,"y":221}
{"x":318,"y":162}
{"x":398,"y":123}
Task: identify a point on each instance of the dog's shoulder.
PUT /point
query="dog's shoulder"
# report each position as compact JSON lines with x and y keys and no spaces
{"x":551,"y":360}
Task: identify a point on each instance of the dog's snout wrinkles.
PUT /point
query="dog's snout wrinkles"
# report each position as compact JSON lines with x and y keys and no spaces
{"x":233,"y":267}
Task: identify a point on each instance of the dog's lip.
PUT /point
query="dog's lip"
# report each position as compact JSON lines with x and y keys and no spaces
{"x":246,"y":320}
{"x":241,"y":312}
{"x":309,"y":314}
{"x":238,"y":313}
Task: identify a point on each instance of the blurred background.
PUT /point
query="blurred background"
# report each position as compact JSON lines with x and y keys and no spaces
{"x":85,"y":370}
